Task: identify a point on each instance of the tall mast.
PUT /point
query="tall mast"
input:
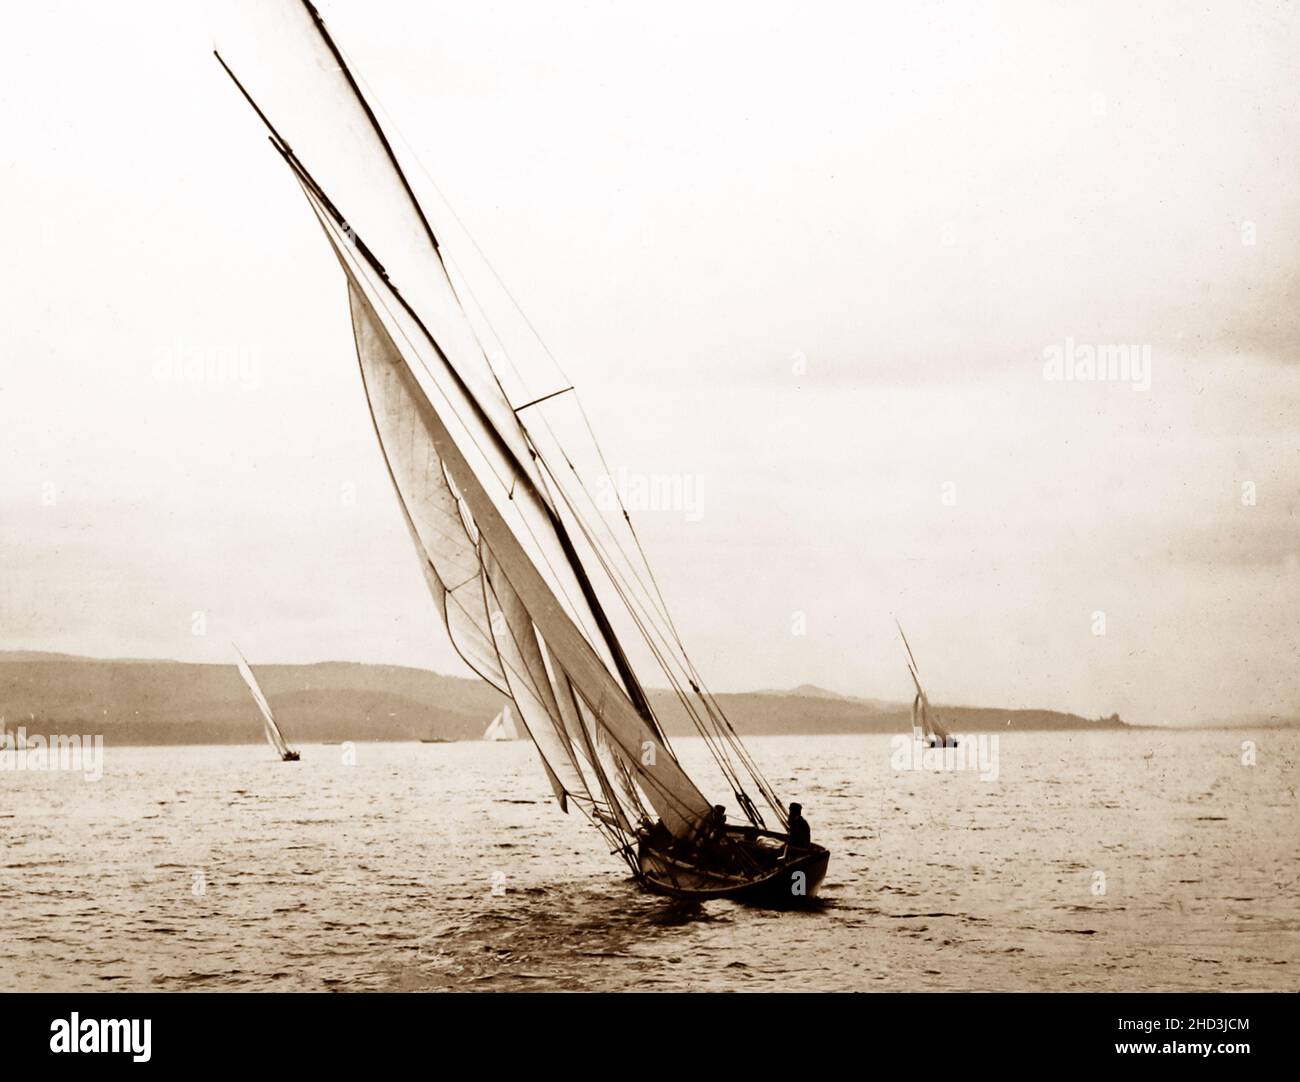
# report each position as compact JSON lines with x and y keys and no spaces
{"x":626,"y":674}
{"x":916,"y":669}
{"x":374,"y":123}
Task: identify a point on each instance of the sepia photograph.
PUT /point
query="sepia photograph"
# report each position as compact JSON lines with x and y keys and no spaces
{"x":587,"y":498}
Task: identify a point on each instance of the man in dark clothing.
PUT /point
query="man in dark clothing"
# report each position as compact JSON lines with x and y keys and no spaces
{"x":800,"y":833}
{"x":655,"y":834}
{"x":715,"y":827}
{"x":709,"y":839}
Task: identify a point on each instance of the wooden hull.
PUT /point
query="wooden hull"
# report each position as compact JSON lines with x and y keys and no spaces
{"x":776,"y":881}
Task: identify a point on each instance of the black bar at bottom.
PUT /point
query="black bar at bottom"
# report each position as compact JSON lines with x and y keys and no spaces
{"x":379,"y":1030}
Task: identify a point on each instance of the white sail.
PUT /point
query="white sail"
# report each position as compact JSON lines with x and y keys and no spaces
{"x":925,"y":723}
{"x":521,"y":585}
{"x":502,"y":727}
{"x":937,"y":729}
{"x":273,"y":735}
{"x":519,"y":581}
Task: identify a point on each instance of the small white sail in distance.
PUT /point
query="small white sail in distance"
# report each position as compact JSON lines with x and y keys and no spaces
{"x":925,"y":726}
{"x":273,"y":735}
{"x":502,"y":727}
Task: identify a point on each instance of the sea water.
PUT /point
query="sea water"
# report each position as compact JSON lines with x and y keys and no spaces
{"x":1140,"y":859}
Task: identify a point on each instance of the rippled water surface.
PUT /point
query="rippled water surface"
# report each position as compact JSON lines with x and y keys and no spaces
{"x":433,"y":866}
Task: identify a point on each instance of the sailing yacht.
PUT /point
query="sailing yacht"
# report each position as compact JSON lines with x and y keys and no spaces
{"x":502,"y":727}
{"x":926,"y":725}
{"x":273,"y":735}
{"x":539,"y":593}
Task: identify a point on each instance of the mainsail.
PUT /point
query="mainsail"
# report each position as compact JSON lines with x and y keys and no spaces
{"x":502,"y":727}
{"x":273,"y":734}
{"x":508,"y":556}
{"x":926,"y":725}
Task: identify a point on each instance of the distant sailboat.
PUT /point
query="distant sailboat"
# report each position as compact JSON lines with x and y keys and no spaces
{"x":527,"y":574}
{"x":925,"y":723}
{"x":273,"y":735}
{"x":502,"y":727}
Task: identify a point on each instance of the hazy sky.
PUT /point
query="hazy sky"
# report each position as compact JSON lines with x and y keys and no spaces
{"x":808,"y":260}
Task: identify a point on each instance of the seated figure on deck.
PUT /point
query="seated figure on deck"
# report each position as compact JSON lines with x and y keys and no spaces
{"x":799,"y":831}
{"x":715,"y":826}
{"x":656,"y":834}
{"x":708,"y":840}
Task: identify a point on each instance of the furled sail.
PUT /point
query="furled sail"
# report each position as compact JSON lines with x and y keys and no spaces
{"x":273,"y":735}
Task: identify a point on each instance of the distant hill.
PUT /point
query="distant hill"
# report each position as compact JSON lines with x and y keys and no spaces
{"x":171,"y":702}
{"x":812,"y":691}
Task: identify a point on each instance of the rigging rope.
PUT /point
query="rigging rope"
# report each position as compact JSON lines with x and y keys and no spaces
{"x":720,"y":724}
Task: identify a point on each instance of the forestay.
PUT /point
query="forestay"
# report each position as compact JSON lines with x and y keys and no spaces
{"x":502,"y":566}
